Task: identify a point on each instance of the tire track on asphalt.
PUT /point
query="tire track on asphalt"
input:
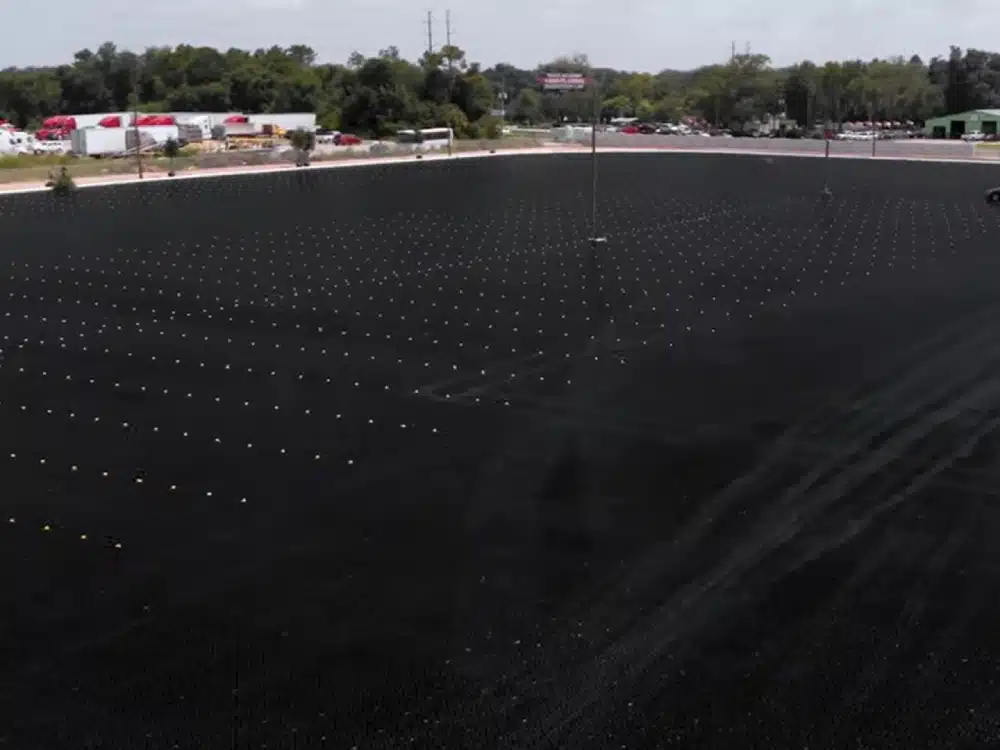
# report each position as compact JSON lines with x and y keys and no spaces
{"x":821,"y":625}
{"x":628,"y":657}
{"x":628,"y":654}
{"x":914,"y":606}
{"x":789,"y":446}
{"x":895,"y":383}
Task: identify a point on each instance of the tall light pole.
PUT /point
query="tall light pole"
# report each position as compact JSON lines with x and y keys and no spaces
{"x":593,"y":164}
{"x":135,"y":121}
{"x":562,"y":82}
{"x":595,"y":238}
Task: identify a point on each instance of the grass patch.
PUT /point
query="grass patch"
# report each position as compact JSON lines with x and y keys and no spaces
{"x":27,"y":161}
{"x":62,"y":184}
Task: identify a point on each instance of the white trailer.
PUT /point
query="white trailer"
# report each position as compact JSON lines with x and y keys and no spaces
{"x":98,"y":141}
{"x":244,"y":129}
{"x":428,"y":139}
{"x":89,"y":121}
{"x":287,"y":120}
{"x":151,"y":136}
{"x":160,"y":133}
{"x":212,"y":118}
{"x":200,"y":123}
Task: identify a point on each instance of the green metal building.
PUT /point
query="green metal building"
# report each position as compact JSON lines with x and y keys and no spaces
{"x":985,"y":121}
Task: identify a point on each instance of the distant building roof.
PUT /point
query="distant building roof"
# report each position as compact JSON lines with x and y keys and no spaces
{"x":991,"y":113}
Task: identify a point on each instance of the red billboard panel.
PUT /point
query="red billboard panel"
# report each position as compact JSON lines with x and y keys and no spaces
{"x":563,"y":81}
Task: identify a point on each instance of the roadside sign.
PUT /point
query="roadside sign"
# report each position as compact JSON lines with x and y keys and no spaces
{"x":563,"y":81}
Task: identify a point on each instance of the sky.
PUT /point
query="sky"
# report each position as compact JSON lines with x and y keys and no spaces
{"x":642,"y":35}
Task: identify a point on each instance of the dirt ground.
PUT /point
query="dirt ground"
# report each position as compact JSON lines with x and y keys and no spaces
{"x":88,"y":170}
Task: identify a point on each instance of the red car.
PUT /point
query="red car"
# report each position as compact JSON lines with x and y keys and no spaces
{"x":346,"y":139}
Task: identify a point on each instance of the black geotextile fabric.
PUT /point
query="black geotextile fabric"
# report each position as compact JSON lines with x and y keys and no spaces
{"x":393,"y":457}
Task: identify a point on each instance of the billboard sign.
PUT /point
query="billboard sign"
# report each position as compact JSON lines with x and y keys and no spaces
{"x":563,"y":81}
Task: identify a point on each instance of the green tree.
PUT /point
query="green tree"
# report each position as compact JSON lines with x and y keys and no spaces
{"x":303,"y":141}
{"x":377,"y":95}
{"x":170,"y":150}
{"x":527,"y":106}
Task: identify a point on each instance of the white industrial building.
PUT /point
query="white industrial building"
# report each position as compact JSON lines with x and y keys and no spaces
{"x":104,"y":134}
{"x":285,"y":121}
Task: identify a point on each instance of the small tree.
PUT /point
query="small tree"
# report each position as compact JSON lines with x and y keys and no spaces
{"x":303,"y":141}
{"x":62,"y":182}
{"x":488,"y":127}
{"x":170,"y":149}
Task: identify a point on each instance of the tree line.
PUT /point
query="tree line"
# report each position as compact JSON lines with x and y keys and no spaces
{"x":379,"y":94}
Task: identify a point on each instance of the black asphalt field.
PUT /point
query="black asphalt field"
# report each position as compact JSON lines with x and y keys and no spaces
{"x":391,"y":457}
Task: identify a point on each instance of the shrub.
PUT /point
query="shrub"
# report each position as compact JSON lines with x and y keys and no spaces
{"x":490,"y":127}
{"x":170,"y":149}
{"x":20,"y":161}
{"x":303,"y":141}
{"x":62,"y":182}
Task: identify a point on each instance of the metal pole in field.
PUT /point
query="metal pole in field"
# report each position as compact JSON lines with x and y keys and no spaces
{"x":138,"y":142}
{"x":594,"y":237}
{"x":135,"y":123}
{"x":826,"y":172}
{"x":578,"y":82}
{"x":593,"y":168}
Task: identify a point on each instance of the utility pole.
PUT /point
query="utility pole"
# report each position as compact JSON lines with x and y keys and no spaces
{"x":595,"y":238}
{"x":447,"y":35}
{"x":135,"y":122}
{"x":430,"y":32}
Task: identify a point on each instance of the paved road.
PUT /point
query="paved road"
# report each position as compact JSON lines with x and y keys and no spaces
{"x":897,"y":149}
